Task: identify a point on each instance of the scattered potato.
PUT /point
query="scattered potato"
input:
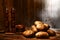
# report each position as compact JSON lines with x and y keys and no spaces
{"x":51,"y":32}
{"x":38,"y":22}
{"x":42,"y":35}
{"x":40,"y":27}
{"x":46,"y":26}
{"x":34,"y":28}
{"x":28,"y":33}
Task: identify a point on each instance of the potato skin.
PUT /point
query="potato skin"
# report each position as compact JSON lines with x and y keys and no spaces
{"x":46,"y":26}
{"x":38,"y":22}
{"x":40,"y":27}
{"x":34,"y":28}
{"x":42,"y":35}
{"x":51,"y":32}
{"x":20,"y":28}
{"x":28,"y":33}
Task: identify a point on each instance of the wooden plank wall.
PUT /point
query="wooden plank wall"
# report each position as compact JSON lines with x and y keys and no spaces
{"x":4,"y":4}
{"x":27,"y":10}
{"x":1,"y":15}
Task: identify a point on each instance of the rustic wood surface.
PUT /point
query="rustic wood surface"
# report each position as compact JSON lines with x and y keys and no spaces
{"x":20,"y":37}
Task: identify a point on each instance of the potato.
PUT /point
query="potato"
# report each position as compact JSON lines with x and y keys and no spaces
{"x":51,"y":32}
{"x":37,"y":22}
{"x":34,"y":28}
{"x":42,"y":35}
{"x":20,"y":28}
{"x":40,"y":27}
{"x":46,"y":26}
{"x":28,"y":33}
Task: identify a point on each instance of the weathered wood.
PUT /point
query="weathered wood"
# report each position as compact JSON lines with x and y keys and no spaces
{"x":26,"y":11}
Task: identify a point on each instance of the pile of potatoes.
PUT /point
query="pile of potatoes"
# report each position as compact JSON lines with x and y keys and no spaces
{"x":39,"y":30}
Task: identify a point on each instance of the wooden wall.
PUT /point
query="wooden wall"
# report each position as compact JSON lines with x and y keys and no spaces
{"x":4,"y":4}
{"x":27,"y":11}
{"x":1,"y":15}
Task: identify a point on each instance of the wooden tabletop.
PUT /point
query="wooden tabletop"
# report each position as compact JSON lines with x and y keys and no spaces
{"x":21,"y":37}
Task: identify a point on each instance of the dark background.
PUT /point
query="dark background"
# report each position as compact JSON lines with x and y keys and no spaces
{"x":26,"y":11}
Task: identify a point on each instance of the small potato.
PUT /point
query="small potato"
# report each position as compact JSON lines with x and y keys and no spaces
{"x":37,"y":22}
{"x":42,"y":35}
{"x":34,"y":28}
{"x":28,"y":33}
{"x":51,"y":32}
{"x":20,"y":28}
{"x":46,"y":26}
{"x":40,"y":27}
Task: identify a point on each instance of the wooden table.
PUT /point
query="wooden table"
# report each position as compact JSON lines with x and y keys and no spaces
{"x":21,"y":37}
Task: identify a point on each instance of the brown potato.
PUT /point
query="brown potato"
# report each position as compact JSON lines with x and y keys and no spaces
{"x":46,"y":26}
{"x":38,"y":22}
{"x":34,"y":28}
{"x":42,"y":35}
{"x":51,"y":32}
{"x":40,"y":27}
{"x":20,"y":28}
{"x":28,"y":33}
